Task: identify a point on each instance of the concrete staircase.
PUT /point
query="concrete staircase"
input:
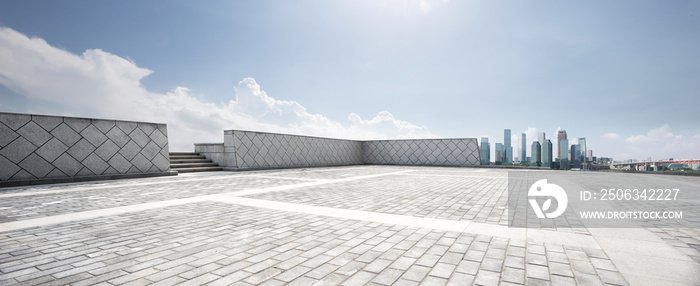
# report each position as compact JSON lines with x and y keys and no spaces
{"x":188,"y":162}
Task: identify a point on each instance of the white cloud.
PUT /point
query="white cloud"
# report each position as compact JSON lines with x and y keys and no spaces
{"x":656,"y":134}
{"x":103,"y":85}
{"x":531,"y":135}
{"x":611,"y":135}
{"x":385,"y":126}
{"x":661,"y":143}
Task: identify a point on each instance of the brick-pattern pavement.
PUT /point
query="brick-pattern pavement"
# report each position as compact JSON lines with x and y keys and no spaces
{"x":479,"y":197}
{"x":224,"y":243}
{"x":25,"y":207}
{"x":220,"y":244}
{"x":685,"y":238}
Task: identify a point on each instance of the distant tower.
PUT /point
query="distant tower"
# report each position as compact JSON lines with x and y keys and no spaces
{"x":547,"y":153}
{"x":561,"y":135}
{"x":485,"y":151}
{"x":575,"y":156}
{"x":500,"y":154}
{"x":535,"y":160}
{"x":564,"y":149}
{"x":540,"y":139}
{"x":523,"y":147}
{"x":508,"y":147}
{"x":582,"y":149}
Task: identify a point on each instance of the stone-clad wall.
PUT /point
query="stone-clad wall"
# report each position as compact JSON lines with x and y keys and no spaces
{"x":260,"y":150}
{"x":213,"y":151}
{"x":40,"y":148}
{"x":431,"y":152}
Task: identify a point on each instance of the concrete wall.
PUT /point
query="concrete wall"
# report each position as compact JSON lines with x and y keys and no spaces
{"x":46,"y":149}
{"x":431,"y":152}
{"x":258,"y":150}
{"x":243,"y":150}
{"x":213,"y":151}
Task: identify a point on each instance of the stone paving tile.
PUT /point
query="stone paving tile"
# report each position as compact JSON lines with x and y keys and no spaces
{"x":224,"y":244}
{"x":230,"y":256}
{"x":685,"y":238}
{"x":326,"y":173}
{"x":42,"y":205}
{"x":460,"y":195}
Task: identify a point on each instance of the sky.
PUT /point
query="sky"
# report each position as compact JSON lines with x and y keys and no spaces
{"x":625,"y":75}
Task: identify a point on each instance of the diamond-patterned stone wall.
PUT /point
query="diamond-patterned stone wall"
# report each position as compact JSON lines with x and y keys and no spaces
{"x":43,"y":147}
{"x":260,"y":150}
{"x":431,"y":152}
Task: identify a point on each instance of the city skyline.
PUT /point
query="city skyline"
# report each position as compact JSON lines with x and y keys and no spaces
{"x":548,"y":154}
{"x":556,"y":149}
{"x":365,"y":69}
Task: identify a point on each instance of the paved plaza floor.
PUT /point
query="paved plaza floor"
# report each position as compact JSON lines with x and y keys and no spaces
{"x":355,"y":225}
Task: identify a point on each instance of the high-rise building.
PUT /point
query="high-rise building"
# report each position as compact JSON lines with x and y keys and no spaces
{"x":508,"y":147}
{"x":561,"y":135}
{"x":575,"y":156}
{"x":582,"y":149}
{"x":536,"y":157}
{"x":509,"y":155}
{"x":547,"y":153}
{"x":589,"y":155}
{"x":485,"y":151}
{"x":540,"y":139}
{"x":523,"y":147}
{"x":500,"y":154}
{"x":564,"y":149}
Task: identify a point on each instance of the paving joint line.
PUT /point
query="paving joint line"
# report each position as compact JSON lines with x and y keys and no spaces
{"x":288,"y":178}
{"x":523,"y":234}
{"x":99,"y":187}
{"x":61,"y":218}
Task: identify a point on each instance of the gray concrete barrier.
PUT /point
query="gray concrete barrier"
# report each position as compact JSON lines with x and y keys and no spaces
{"x":243,"y":150}
{"x":39,"y":149}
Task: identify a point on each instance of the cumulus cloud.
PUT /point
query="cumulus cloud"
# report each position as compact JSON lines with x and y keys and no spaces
{"x":656,"y":134}
{"x":611,"y":135}
{"x":99,"y":84}
{"x":384,"y":125}
{"x":531,"y":135}
{"x":661,"y":143}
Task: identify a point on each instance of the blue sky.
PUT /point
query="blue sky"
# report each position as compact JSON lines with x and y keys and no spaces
{"x":625,"y":75}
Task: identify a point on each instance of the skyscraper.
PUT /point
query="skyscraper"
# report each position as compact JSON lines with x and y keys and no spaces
{"x":535,"y":160}
{"x":509,"y":155}
{"x":523,"y":147}
{"x":561,"y":135}
{"x":582,"y":150}
{"x":540,"y":139}
{"x":547,"y":153}
{"x":508,"y":147}
{"x":485,"y":151}
{"x":575,"y":156}
{"x":564,"y":149}
{"x":500,"y":154}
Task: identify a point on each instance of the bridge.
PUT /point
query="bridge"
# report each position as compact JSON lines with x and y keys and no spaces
{"x":653,"y":165}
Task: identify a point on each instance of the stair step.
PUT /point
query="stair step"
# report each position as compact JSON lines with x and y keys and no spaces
{"x":187,"y":157}
{"x":193,"y":165}
{"x":182,"y":161}
{"x":197,"y":169}
{"x":188,"y":162}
